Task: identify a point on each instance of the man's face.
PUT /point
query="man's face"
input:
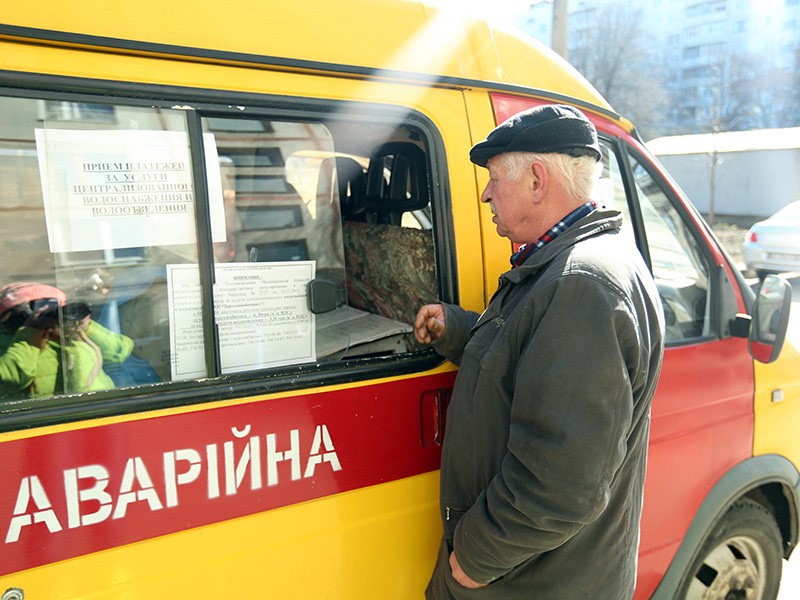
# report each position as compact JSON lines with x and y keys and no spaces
{"x":510,"y":201}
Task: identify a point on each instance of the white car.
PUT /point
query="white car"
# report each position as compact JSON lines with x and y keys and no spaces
{"x":773,"y":245}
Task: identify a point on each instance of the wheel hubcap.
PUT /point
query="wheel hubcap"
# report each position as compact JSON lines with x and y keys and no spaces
{"x":732,"y":571}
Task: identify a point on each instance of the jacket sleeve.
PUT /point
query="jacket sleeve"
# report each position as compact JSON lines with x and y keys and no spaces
{"x":18,"y":366}
{"x":571,"y":411}
{"x":114,"y":346}
{"x":457,"y":325}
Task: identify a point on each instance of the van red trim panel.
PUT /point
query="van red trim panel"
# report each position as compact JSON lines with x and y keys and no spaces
{"x":82,"y":491}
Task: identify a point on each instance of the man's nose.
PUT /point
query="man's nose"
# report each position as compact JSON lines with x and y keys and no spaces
{"x":486,"y":196}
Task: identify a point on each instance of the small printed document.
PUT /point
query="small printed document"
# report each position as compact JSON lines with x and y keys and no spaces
{"x":261,"y":312}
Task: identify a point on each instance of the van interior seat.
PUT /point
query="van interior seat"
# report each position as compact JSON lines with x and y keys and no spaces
{"x":391,"y":271}
{"x":397,"y":182}
{"x":351,"y":181}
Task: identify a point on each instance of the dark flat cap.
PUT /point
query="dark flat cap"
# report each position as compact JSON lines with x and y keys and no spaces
{"x":545,"y":129}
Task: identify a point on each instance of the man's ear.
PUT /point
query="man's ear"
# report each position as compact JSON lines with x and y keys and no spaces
{"x":539,"y":181}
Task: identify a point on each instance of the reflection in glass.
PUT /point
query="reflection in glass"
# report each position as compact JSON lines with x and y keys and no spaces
{"x":679,"y":268}
{"x":282,"y":218}
{"x":91,"y":198}
{"x":769,"y":319}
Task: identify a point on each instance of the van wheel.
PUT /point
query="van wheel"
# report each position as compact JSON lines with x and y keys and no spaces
{"x":741,"y":559}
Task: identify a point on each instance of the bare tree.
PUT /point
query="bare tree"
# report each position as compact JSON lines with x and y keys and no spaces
{"x":770,"y":92}
{"x":607,"y":45}
{"x":742,"y":91}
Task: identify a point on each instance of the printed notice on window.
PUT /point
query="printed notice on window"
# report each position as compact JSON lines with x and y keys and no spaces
{"x":261,"y":311}
{"x":111,"y":189}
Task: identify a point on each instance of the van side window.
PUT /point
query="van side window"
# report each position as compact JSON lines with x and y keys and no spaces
{"x":679,"y":267}
{"x":282,"y":230}
{"x":303,"y":195}
{"x":95,"y":199}
{"x":609,"y":190}
{"x":389,"y":251}
{"x":321,"y":244}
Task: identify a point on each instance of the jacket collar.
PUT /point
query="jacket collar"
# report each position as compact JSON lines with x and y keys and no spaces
{"x":598,"y":221}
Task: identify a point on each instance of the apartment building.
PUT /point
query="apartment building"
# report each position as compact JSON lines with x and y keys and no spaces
{"x":727,"y":64}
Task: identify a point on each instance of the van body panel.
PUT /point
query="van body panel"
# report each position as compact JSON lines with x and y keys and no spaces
{"x":270,"y":550}
{"x":219,"y":456}
{"x":496,"y":250}
{"x":234,"y":29}
{"x":777,"y":406}
{"x":508,"y":104}
{"x":690,"y":415}
{"x":737,"y":482}
{"x":415,"y":40}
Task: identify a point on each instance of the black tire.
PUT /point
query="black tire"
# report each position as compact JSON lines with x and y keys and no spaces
{"x":741,"y":559}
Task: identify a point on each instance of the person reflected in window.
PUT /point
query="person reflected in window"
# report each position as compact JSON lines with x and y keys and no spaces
{"x":18,"y":303}
{"x":52,"y":347}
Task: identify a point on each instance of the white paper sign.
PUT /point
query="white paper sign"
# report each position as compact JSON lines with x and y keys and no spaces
{"x":123,"y":189}
{"x":261,"y":312}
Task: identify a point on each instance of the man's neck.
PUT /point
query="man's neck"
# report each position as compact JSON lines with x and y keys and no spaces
{"x":558,"y":227}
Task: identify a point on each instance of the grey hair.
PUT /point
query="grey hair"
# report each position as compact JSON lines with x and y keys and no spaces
{"x":576,"y":173}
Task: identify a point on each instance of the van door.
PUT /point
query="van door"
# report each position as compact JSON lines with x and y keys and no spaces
{"x":702,"y":416}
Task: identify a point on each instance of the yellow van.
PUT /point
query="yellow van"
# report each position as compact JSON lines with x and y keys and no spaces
{"x":217,"y":222}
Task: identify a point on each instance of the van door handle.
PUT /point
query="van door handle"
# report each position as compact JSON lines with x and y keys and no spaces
{"x":433,"y":415}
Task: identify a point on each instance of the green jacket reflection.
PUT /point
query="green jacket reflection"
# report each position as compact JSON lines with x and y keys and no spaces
{"x":26,"y":371}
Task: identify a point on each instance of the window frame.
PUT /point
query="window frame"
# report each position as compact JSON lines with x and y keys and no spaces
{"x":202,"y":103}
{"x":634,"y":208}
{"x":716,"y":277}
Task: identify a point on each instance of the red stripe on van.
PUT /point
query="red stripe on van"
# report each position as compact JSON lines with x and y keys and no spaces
{"x":77,"y":492}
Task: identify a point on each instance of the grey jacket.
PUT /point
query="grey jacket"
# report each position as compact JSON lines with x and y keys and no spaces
{"x":546,"y":439}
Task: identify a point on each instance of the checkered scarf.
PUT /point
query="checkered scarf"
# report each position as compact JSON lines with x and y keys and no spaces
{"x":527,"y":250}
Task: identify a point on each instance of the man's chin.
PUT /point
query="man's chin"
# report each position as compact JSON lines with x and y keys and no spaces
{"x":503,"y":232}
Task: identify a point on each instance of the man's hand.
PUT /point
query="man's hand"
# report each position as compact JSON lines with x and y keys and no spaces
{"x":462,"y":578}
{"x":429,"y":324}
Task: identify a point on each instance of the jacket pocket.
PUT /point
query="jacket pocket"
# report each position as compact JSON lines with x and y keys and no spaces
{"x":451,"y":518}
{"x":489,"y":344}
{"x":455,"y":589}
{"x":459,"y":592}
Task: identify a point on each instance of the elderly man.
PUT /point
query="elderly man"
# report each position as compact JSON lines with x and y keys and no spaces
{"x":545,"y":448}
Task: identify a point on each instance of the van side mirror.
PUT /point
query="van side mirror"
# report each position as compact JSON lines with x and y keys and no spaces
{"x":766,"y":328}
